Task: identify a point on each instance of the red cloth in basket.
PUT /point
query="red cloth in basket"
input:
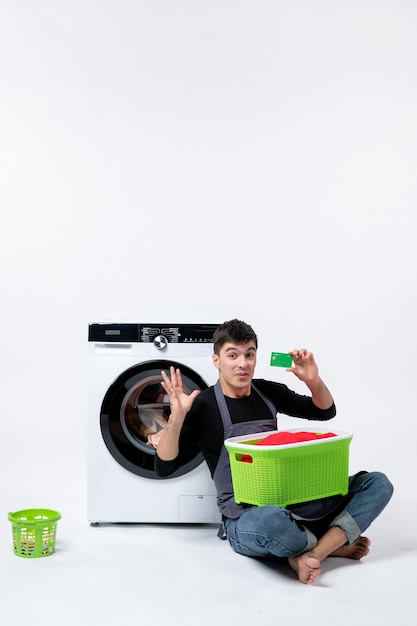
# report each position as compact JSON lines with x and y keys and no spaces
{"x":283,"y":437}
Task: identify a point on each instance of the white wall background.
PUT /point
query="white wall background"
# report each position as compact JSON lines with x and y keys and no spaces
{"x":202,"y":160}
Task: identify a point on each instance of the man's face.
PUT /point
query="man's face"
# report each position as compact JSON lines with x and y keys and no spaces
{"x":236,"y":365}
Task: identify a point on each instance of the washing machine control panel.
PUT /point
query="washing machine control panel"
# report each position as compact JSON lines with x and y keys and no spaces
{"x":158,"y":334}
{"x":162,"y":334}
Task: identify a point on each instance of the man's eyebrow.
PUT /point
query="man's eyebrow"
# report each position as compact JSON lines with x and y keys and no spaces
{"x":232,"y":348}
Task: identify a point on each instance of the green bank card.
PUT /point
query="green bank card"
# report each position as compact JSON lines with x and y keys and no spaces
{"x":281,"y":359}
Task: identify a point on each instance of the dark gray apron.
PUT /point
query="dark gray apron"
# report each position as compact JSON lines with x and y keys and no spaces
{"x":222,"y":475}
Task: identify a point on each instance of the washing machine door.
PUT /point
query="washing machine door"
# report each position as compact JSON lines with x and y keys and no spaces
{"x":134,"y":412}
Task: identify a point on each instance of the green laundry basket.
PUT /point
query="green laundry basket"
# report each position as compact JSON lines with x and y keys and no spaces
{"x":291,"y":473}
{"x":34,"y":532}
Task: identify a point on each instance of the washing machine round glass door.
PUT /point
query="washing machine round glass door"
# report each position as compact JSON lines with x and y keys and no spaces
{"x":134,"y":412}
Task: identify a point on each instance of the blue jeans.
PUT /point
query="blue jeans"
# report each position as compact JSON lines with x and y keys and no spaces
{"x":272,"y":531}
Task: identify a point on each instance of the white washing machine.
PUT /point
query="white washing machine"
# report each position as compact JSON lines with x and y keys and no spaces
{"x":128,"y":407}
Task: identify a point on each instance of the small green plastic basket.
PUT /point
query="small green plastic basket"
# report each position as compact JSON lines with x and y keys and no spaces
{"x":34,"y":532}
{"x":288,"y":474}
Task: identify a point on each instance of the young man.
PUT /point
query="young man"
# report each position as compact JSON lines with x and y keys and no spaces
{"x":239,"y":405}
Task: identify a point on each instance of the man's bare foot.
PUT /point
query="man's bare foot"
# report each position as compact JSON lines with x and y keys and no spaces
{"x":356,"y":551}
{"x":306,"y":567}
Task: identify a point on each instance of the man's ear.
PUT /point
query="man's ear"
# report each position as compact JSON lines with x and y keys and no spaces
{"x":215,"y":359}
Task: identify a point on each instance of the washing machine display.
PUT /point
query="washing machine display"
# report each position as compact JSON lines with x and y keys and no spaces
{"x":128,"y":410}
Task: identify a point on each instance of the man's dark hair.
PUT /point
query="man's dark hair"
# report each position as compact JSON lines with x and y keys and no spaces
{"x":234,"y":331}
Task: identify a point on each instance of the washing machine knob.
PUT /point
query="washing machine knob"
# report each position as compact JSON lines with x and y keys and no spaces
{"x":160,"y":342}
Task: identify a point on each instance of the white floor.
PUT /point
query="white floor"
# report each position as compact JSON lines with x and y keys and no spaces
{"x":168,"y":574}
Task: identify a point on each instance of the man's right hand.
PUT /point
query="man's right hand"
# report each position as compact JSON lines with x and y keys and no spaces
{"x":180,"y":403}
